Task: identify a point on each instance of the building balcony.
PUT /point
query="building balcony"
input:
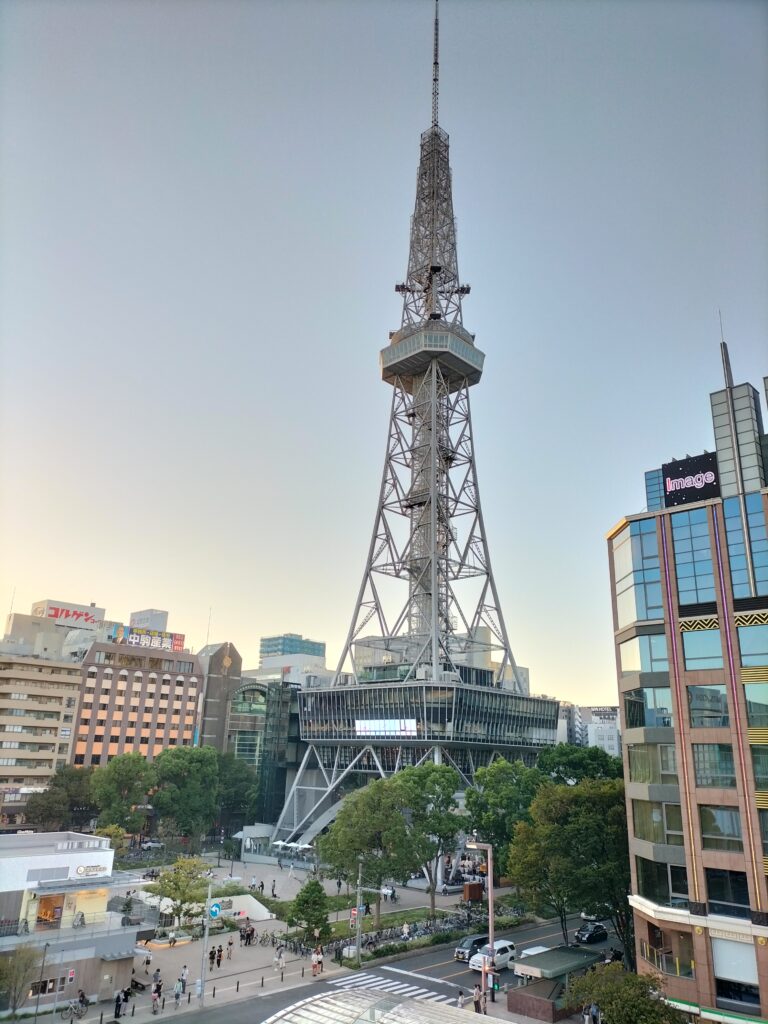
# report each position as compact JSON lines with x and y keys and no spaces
{"x":84,"y":928}
{"x":666,"y":963}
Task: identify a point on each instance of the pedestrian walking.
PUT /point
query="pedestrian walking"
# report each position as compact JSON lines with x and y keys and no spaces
{"x":147,"y":962}
{"x":242,"y":936}
{"x":280,"y":863}
{"x":314,"y":963}
{"x":184,"y":979}
{"x":261,"y":887}
{"x":219,"y":955}
{"x":476,"y":996}
{"x":253,"y":883}
{"x":156,"y":975}
{"x":484,"y":1002}
{"x":159,"y":986}
{"x":320,"y":958}
{"x":155,"y":1001}
{"x":460,"y":1000}
{"x":594,"y":1013}
{"x":290,"y":870}
{"x":211,"y":958}
{"x":338,"y":887}
{"x":230,"y":944}
{"x":178,"y":988}
{"x":118,"y":1004}
{"x":273,"y":889}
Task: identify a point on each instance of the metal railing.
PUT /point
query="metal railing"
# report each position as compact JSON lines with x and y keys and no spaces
{"x":667,"y":963}
{"x":81,"y":925}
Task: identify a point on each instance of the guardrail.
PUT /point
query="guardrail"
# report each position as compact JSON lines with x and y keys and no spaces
{"x":667,"y":963}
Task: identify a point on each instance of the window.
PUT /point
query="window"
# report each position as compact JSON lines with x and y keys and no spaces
{"x":727,"y":891}
{"x":758,"y":542}
{"x":636,"y":568}
{"x":657,"y":822}
{"x":708,"y":706}
{"x":702,"y":649}
{"x":729,"y":992}
{"x":644,"y":654}
{"x":753,"y":644}
{"x":664,"y":884}
{"x":720,"y":828}
{"x":693,"y":557}
{"x":760,"y":765}
{"x":763,"y":818}
{"x":79,"y":758}
{"x":649,"y":707}
{"x":713,"y":764}
{"x":653,"y":764}
{"x":757,"y":703}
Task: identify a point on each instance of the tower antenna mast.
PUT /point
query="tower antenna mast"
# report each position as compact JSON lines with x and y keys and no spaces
{"x":436,"y":65}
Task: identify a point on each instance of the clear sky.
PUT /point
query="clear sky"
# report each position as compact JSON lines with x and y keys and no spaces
{"x":204,"y":207}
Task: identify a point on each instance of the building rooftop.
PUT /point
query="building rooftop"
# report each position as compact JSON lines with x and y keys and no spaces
{"x":558,"y":962}
{"x":42,"y":844}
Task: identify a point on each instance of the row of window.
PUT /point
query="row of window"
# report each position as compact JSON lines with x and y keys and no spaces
{"x":667,"y":885}
{"x":657,"y":822}
{"x":636,"y":559}
{"x":713,"y":764}
{"x":137,"y":661}
{"x":651,"y":706}
{"x":702,"y":649}
{"x":96,"y":759}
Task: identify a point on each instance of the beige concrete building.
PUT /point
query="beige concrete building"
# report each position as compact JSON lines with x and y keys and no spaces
{"x":39,"y":702}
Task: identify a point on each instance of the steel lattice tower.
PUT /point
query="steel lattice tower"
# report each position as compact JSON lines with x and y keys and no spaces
{"x":432,"y":672}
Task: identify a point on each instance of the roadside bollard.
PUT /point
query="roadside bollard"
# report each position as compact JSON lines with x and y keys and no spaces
{"x":133,"y":1010}
{"x":163,"y":1006}
{"x":214,"y":991}
{"x":237,"y":987}
{"x":189,"y":997}
{"x":281,"y":975}
{"x":101,"y":1018}
{"x":302,"y":972}
{"x":262,"y":981}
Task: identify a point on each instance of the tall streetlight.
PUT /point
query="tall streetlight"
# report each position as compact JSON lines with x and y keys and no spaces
{"x":40,"y":982}
{"x":475,"y":845}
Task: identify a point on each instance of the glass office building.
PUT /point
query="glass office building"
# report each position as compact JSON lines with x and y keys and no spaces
{"x":689,"y":581}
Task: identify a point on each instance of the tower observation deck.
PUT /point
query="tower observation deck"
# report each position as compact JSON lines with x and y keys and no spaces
{"x":427,"y":670}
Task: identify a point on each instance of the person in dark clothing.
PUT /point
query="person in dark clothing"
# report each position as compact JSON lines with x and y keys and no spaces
{"x":118,"y":1004}
{"x":211,"y":958}
{"x":219,"y":954}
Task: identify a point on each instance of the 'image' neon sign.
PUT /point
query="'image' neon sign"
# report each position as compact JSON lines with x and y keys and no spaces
{"x":682,"y":483}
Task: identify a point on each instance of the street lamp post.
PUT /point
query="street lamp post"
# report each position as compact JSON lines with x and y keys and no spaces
{"x":475,"y":845}
{"x":358,"y":916}
{"x":40,"y":982}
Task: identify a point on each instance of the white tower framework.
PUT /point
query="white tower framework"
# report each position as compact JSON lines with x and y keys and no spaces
{"x":427,"y":670}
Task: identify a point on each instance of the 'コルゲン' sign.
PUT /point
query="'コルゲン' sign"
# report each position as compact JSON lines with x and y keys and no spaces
{"x":690,"y":480}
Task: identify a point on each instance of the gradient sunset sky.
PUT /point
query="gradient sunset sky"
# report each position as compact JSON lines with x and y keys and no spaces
{"x":204,"y":207}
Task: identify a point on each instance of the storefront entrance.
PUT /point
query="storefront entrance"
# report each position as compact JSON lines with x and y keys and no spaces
{"x":49,"y":910}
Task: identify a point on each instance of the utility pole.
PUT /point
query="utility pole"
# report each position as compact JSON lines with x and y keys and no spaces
{"x":475,"y":845}
{"x":358,"y":915}
{"x":42,"y":968}
{"x":205,"y":946}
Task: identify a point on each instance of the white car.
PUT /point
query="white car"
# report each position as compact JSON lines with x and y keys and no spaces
{"x":502,"y":954}
{"x":152,"y":844}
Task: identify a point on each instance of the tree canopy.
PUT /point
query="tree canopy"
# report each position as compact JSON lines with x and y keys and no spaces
{"x":310,"y":910}
{"x":624,"y":997}
{"x":368,"y":830}
{"x":568,"y":764}
{"x":574,"y":853}
{"x":187,"y":787}
{"x":66,"y":802}
{"x":184,"y":884}
{"x":18,"y":970}
{"x":501,"y":797}
{"x":119,"y":787}
{"x":426,"y":799}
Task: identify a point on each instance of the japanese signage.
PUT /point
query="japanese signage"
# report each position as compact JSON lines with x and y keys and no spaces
{"x":88,"y":870}
{"x":154,"y":639}
{"x":62,"y":613}
{"x":690,"y":480}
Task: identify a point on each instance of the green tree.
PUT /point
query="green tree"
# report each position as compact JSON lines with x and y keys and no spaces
{"x":185,"y":885}
{"x":536,"y":865}
{"x":624,"y":997}
{"x":501,"y":797}
{"x":18,"y":970}
{"x":236,"y":780}
{"x":187,"y":787}
{"x":116,"y":835}
{"x":119,"y":787}
{"x":369,"y":830}
{"x":76,"y":783}
{"x":49,"y":810}
{"x":426,"y":798}
{"x":579,"y":835}
{"x":310,"y":910}
{"x":568,"y":764}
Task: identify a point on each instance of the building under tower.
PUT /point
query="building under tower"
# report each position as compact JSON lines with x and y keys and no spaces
{"x":427,"y":671}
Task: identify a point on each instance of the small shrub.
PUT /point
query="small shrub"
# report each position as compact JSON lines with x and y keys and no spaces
{"x":391,"y":948}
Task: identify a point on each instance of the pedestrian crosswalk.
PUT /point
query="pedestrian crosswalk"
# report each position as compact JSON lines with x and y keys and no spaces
{"x":371,"y":982}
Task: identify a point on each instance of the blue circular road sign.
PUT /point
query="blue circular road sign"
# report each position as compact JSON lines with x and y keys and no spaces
{"x":215,"y":909}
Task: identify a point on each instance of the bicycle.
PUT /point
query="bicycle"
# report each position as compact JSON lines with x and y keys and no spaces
{"x":73,"y":1009}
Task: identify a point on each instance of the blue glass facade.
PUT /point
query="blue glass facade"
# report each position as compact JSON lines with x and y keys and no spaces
{"x":693,"y":557}
{"x":637,"y":572}
{"x":758,"y":545}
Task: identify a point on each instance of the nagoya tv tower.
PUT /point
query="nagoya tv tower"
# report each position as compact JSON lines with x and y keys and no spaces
{"x":427,"y":670}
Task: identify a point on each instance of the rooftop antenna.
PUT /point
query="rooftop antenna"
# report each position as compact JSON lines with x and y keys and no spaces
{"x":436,"y":65}
{"x":724,"y":353}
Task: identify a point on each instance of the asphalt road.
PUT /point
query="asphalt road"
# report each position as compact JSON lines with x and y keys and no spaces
{"x":430,"y":974}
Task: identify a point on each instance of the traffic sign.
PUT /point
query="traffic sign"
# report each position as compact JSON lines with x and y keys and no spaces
{"x":215,"y":909}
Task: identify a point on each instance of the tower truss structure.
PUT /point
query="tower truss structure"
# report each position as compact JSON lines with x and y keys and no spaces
{"x":427,"y":654}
